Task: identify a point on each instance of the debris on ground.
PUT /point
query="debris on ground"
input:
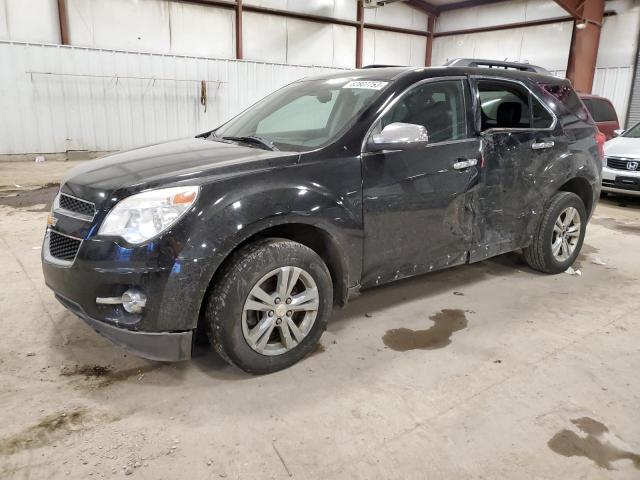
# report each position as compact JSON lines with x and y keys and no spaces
{"x":598,"y":261}
{"x":459,"y":294}
{"x":572,"y":271}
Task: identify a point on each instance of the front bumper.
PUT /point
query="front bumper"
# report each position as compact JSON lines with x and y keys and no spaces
{"x":174,"y":287}
{"x":626,"y":182}
{"x":162,"y":346}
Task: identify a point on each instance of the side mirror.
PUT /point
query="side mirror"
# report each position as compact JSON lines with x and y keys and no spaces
{"x":399,"y":136}
{"x":618,"y":132}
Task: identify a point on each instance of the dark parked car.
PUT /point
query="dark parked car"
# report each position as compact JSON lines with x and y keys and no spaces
{"x":252,"y":232}
{"x":603,"y":113}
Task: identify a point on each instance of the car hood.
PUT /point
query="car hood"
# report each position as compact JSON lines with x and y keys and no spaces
{"x":623,"y":147}
{"x":167,"y":163}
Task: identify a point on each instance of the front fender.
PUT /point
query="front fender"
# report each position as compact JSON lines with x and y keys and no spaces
{"x":235,"y":210}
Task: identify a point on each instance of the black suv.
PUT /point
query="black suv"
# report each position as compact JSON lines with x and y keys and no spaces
{"x":253,"y":231}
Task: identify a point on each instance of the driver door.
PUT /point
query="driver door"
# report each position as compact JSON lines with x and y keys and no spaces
{"x":416,"y":217}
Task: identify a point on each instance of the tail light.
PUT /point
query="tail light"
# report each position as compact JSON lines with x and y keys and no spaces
{"x":600,"y":139}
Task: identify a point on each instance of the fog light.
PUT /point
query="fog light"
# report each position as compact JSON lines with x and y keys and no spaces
{"x":133,"y":301}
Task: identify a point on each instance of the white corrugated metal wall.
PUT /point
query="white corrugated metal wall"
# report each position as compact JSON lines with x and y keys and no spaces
{"x":97,"y":108}
{"x":98,"y":100}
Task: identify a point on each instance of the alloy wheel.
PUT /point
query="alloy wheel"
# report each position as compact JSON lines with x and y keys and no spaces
{"x":280,"y":310}
{"x":566,"y":234}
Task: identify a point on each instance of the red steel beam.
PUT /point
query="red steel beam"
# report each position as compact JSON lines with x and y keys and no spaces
{"x":583,"y":54}
{"x":572,"y":7}
{"x":505,"y":26}
{"x":64,"y":22}
{"x":359,"y":34}
{"x":239,"y":29}
{"x":430,"y":28}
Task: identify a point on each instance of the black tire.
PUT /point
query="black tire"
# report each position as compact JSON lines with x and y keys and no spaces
{"x":225,"y":303}
{"x":539,"y":255}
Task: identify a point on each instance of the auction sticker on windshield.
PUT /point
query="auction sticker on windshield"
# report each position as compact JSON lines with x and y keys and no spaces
{"x":368,"y":84}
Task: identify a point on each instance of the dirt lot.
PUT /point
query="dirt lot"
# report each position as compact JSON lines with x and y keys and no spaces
{"x":483,"y":371}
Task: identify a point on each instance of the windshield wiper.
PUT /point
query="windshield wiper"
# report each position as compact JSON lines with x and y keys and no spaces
{"x":253,"y":140}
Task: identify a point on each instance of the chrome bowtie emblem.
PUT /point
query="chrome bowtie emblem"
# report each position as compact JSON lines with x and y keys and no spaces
{"x":632,"y":165}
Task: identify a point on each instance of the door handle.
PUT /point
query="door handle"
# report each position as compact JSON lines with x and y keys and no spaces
{"x":542,"y":145}
{"x":465,"y":163}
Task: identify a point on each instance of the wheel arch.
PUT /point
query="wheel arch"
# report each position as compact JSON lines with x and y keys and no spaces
{"x":317,"y":239}
{"x":312,"y":236}
{"x":581,"y":187}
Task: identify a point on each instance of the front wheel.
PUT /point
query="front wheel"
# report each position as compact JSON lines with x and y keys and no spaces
{"x":270,"y":305}
{"x":558,"y":239}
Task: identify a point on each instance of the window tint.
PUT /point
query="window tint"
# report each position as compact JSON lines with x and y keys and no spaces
{"x":503,"y":105}
{"x":601,"y":110}
{"x":438,"y":106}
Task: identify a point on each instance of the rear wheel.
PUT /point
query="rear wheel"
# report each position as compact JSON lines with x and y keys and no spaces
{"x":560,"y":234}
{"x":270,"y":305}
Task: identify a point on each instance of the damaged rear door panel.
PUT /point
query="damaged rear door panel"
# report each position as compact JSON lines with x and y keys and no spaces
{"x":523,"y":148}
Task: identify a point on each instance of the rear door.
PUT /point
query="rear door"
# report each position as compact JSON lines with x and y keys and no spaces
{"x":415,"y":212}
{"x":519,"y":145}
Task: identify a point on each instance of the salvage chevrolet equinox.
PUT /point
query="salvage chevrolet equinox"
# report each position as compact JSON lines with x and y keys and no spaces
{"x":254,"y":231}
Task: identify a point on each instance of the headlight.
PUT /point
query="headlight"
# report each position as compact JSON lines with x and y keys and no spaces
{"x":145,"y":215}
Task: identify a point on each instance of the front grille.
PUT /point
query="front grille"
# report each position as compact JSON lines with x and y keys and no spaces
{"x":63,"y":247}
{"x":75,"y":205}
{"x":621,"y":163}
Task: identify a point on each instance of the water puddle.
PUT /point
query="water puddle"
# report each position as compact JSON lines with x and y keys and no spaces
{"x":445,"y":323}
{"x":596,"y":445}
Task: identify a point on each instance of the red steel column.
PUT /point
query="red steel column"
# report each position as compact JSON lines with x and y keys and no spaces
{"x":239,"y":29}
{"x":64,"y":22}
{"x":430,"y":28}
{"x":359,"y":34}
{"x":584,"y":46}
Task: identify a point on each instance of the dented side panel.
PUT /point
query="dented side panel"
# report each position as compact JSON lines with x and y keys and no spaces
{"x":516,"y":182}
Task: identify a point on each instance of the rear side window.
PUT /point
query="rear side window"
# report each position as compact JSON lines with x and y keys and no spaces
{"x":503,"y":105}
{"x":568,"y":98}
{"x":540,"y":116}
{"x":600,"y":110}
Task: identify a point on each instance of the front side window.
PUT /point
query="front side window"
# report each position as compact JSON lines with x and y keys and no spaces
{"x":305,"y":115}
{"x":437,"y":106}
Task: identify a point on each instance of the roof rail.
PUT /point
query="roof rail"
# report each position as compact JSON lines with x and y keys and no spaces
{"x":477,"y":62}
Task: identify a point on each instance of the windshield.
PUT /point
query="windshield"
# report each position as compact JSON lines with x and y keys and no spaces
{"x":304,"y":115}
{"x":633,"y":132}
